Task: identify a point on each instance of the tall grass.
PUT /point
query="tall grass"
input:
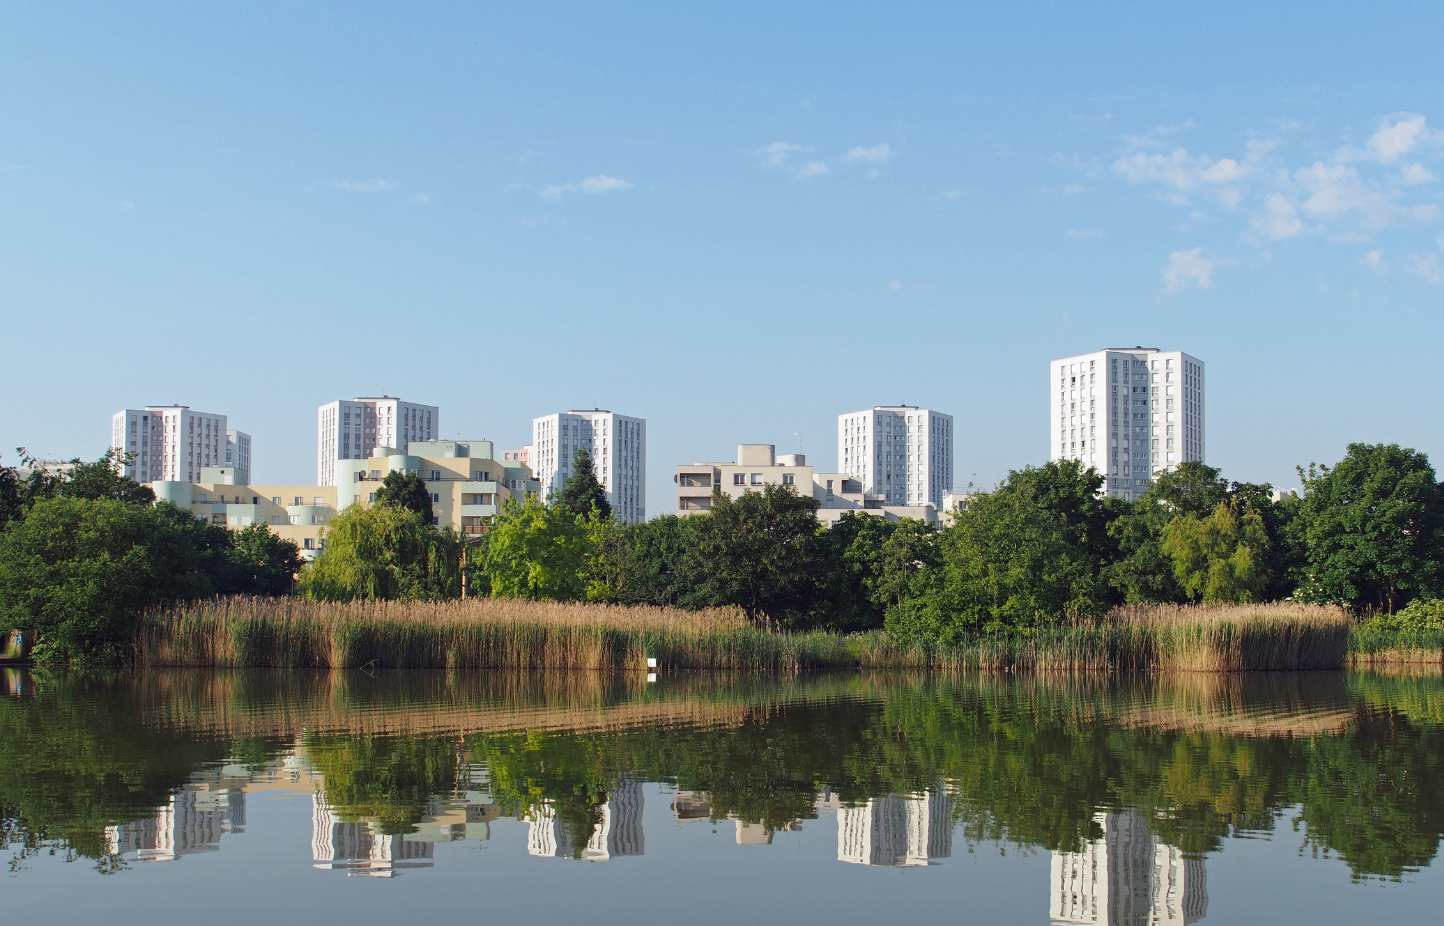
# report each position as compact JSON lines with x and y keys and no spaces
{"x":529,"y":635}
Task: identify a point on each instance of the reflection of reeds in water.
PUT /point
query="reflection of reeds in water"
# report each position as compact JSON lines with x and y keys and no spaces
{"x":285,"y":703}
{"x":512,"y":634}
{"x":1253,"y":705}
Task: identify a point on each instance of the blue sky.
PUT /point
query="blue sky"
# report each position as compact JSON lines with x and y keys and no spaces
{"x":736,"y":223}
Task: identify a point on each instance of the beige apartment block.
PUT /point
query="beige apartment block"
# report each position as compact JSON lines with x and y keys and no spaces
{"x":759,"y":465}
{"x":467,"y":482}
{"x":298,"y":513}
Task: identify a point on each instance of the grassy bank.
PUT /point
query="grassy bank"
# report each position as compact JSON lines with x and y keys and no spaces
{"x":515,"y":634}
{"x":1376,"y":644}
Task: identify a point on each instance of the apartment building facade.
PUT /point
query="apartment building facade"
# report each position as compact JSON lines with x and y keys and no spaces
{"x":618,"y":447}
{"x":172,"y":442}
{"x":468,"y":484}
{"x":1129,"y":413}
{"x":298,"y":513}
{"x":351,"y":429}
{"x":902,"y":452}
{"x":759,"y":465}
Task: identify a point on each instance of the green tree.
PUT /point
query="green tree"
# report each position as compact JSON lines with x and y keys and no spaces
{"x":406,"y":490}
{"x":1026,"y":555}
{"x":853,"y":550}
{"x":762,"y":552}
{"x":583,"y":492}
{"x":1141,"y":571}
{"x":537,"y":551}
{"x":23,"y":486}
{"x":263,"y":563}
{"x":384,"y":551}
{"x":1371,"y":528}
{"x":1223,"y":557}
{"x":642,"y":563}
{"x":79,"y":572}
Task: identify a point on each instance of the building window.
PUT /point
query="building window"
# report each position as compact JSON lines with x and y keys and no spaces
{"x":739,"y":479}
{"x":789,"y":479}
{"x":757,"y":479}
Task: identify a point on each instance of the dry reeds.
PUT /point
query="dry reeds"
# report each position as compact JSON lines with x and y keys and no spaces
{"x":532,"y":635}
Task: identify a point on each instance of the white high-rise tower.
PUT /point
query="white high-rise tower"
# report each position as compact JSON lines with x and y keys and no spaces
{"x":350,"y":429}
{"x":901,"y":451}
{"x":1131,"y":413}
{"x":173,"y":443}
{"x":617,"y":444}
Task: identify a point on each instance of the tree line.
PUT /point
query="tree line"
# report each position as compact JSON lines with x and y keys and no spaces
{"x":81,"y":554}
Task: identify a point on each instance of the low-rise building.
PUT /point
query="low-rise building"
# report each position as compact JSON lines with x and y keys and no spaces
{"x":759,"y":465}
{"x":468,"y":484}
{"x":298,"y":513}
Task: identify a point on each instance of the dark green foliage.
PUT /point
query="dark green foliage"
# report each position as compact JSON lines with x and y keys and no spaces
{"x":261,"y":562}
{"x":77,"y":572}
{"x":642,"y":564}
{"x":762,"y":552}
{"x":1371,"y":529}
{"x":583,"y":493}
{"x":1026,"y":555}
{"x":23,"y":486}
{"x":406,"y":490}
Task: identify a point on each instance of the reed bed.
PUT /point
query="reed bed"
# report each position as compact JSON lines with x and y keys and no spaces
{"x":1378,"y":644}
{"x":529,"y":635}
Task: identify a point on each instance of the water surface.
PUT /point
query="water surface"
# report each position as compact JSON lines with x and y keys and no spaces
{"x":243,"y":797}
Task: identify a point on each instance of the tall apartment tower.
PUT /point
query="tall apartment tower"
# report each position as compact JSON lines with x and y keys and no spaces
{"x":350,"y":429}
{"x":238,"y":455}
{"x":1130,"y":413}
{"x":1126,"y":876}
{"x":617,"y":444}
{"x":172,"y":443}
{"x":900,"y":451}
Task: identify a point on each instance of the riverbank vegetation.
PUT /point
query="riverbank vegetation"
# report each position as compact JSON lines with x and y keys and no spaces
{"x":520,"y":634}
{"x":1040,"y":572}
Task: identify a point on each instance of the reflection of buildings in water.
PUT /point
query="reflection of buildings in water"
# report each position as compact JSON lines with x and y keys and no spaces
{"x":753,"y":834}
{"x":358,"y":849}
{"x":619,"y":833}
{"x":191,"y":821}
{"x":692,"y":805}
{"x":899,"y":830}
{"x":1127,"y":878}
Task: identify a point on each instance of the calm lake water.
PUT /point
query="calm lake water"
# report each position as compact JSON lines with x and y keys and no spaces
{"x":281,"y":797}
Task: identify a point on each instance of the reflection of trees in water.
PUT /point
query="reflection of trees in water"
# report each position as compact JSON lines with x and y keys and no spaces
{"x":1027,"y":761}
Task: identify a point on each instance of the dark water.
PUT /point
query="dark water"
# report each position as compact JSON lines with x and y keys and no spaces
{"x":244,"y":798}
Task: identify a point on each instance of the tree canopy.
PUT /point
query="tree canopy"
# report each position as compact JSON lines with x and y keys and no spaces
{"x":406,"y":490}
{"x":583,"y":492}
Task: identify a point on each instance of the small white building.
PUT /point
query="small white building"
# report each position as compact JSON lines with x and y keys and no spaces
{"x":618,"y":447}
{"x":1131,"y":413}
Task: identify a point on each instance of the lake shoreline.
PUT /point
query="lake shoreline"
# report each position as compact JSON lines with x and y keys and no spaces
{"x":512,"y":634}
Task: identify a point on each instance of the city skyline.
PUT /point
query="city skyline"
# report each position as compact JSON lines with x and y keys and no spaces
{"x":945,"y":219}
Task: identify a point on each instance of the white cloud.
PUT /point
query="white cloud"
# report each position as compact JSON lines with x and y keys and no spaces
{"x":1183,"y":173}
{"x":1416,"y":174}
{"x":599,"y":183}
{"x":1279,"y":219}
{"x":776,"y":154}
{"x":1397,"y":135}
{"x":1084,"y":234}
{"x":952,"y":194}
{"x":373,"y":185}
{"x":1187,"y":270}
{"x":1427,"y":268}
{"x":1154,"y":137}
{"x":419,"y":199}
{"x":876,"y":154}
{"x":813,"y":169}
{"x":1073,"y":189}
{"x":1374,"y":259}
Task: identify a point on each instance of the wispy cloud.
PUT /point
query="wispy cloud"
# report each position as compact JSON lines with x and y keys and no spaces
{"x":814,"y":169}
{"x":597,"y":184}
{"x":1427,"y":268}
{"x":776,"y":154}
{"x":419,"y":199}
{"x":370,"y":185}
{"x":1416,"y":174}
{"x":874,"y":154}
{"x":1397,"y":135}
{"x":1187,"y":270}
{"x":1374,"y":259}
{"x":1084,"y":234}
